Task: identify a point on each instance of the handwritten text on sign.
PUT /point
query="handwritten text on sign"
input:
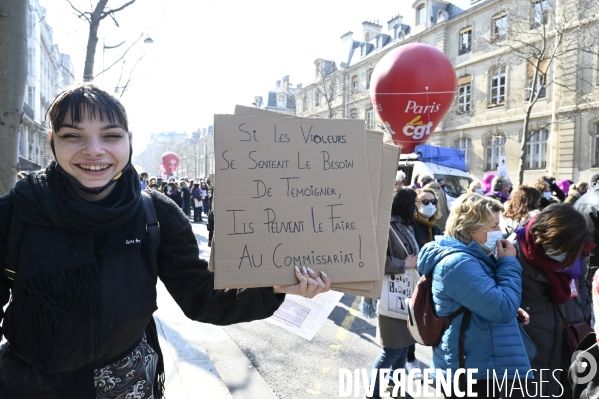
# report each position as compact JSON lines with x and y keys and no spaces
{"x":291,"y":192}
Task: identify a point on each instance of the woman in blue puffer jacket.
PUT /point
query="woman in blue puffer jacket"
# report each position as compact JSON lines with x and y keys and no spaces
{"x":474,"y":268}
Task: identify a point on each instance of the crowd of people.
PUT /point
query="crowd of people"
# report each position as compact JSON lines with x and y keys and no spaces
{"x":188,"y":194}
{"x":514,"y":265}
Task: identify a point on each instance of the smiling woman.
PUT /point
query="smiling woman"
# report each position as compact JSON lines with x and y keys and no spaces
{"x":79,"y":307}
{"x":90,"y":140}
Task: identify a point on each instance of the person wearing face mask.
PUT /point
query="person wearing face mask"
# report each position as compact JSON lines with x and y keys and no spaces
{"x":501,"y":188}
{"x":551,"y":247}
{"x":523,"y":204}
{"x":475,"y":187}
{"x":425,"y":228}
{"x":551,"y":192}
{"x":473,"y":268}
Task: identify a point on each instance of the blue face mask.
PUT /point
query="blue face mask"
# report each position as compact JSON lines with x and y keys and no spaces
{"x":479,"y":191}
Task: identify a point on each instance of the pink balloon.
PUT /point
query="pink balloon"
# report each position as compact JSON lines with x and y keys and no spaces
{"x":412,"y":88}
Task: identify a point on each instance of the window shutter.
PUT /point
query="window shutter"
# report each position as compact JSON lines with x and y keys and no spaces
{"x":464,"y":80}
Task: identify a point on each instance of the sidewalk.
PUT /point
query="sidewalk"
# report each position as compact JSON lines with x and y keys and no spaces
{"x":201,"y":360}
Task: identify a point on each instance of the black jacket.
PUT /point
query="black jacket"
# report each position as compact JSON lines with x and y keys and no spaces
{"x":421,"y":233}
{"x":127,"y":282}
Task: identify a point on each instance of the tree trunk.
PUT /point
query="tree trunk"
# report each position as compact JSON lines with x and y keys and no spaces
{"x":525,"y":138}
{"x":92,"y":40}
{"x":13,"y":78}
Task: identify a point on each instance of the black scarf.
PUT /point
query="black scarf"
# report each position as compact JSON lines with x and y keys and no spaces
{"x":47,"y":198}
{"x":49,"y":211}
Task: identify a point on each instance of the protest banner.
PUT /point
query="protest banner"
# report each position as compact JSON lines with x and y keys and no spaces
{"x":288,"y":196}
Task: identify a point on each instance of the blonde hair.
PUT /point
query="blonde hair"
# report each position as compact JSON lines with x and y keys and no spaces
{"x":423,"y":191}
{"x":470,"y":212}
{"x":183,"y":184}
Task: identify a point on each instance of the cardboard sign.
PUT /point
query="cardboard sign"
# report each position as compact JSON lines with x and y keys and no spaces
{"x":292,"y":192}
{"x":390,"y":157}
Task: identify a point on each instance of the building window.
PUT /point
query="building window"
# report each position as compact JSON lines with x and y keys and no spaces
{"x":536,"y":150}
{"x":420,"y":15}
{"x":538,"y":86}
{"x":304,"y":103}
{"x":596,"y":144}
{"x":499,"y":27}
{"x":495,"y":149}
{"x":353,"y":113}
{"x":464,"y":144}
{"x":368,"y":77}
{"x":464,"y":98}
{"x":370,"y":118}
{"x":31,"y":96}
{"x":397,"y":34}
{"x":363,"y":50}
{"x":281,"y":101}
{"x":540,"y":13}
{"x":317,"y":99}
{"x":354,"y":82}
{"x":497,"y":92}
{"x":379,"y":42}
{"x":465,"y":41}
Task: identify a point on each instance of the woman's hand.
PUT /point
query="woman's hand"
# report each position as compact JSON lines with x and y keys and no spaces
{"x":411,"y":262}
{"x":523,"y":317}
{"x":310,"y":284}
{"x":505,"y":248}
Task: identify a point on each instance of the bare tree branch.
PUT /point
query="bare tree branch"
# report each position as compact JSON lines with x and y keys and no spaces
{"x":109,"y":12}
{"x":81,"y":14}
{"x":121,"y":57}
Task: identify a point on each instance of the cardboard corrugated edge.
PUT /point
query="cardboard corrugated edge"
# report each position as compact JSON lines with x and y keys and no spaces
{"x":390,"y":157}
{"x":374,"y":149}
{"x":222,"y":279}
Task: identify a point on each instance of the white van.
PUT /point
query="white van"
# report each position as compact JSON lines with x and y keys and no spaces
{"x":456,"y":181}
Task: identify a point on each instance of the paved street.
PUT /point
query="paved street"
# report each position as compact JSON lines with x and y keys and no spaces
{"x":259,"y":360}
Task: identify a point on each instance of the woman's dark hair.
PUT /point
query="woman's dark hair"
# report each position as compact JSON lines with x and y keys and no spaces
{"x":562,"y":228}
{"x":404,"y":205}
{"x":522,"y":201}
{"x":86,"y":100}
{"x":196,"y":185}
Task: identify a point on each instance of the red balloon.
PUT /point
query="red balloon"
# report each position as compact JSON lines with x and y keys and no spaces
{"x":170,"y":162}
{"x":412,"y":88}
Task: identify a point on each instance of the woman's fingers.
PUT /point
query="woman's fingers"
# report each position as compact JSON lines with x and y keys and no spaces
{"x":303,"y":280}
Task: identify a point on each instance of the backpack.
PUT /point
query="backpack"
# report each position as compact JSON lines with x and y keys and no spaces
{"x":423,"y":323}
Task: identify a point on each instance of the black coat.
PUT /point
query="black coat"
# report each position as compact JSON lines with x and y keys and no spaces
{"x":128,"y":293}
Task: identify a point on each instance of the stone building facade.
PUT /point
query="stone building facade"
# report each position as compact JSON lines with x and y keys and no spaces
{"x":48,"y":71}
{"x":494,"y":46}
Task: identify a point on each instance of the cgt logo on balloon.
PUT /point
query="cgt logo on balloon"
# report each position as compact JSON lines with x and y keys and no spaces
{"x":412,"y":88}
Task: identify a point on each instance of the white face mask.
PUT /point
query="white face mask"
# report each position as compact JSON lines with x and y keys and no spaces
{"x":492,"y":238}
{"x":547,"y":195}
{"x":428,"y":210}
{"x":479,"y":191}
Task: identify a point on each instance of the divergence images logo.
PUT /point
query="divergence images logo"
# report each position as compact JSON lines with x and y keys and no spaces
{"x":585,"y":367}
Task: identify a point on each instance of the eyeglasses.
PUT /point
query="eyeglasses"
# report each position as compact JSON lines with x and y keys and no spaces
{"x":425,"y":202}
